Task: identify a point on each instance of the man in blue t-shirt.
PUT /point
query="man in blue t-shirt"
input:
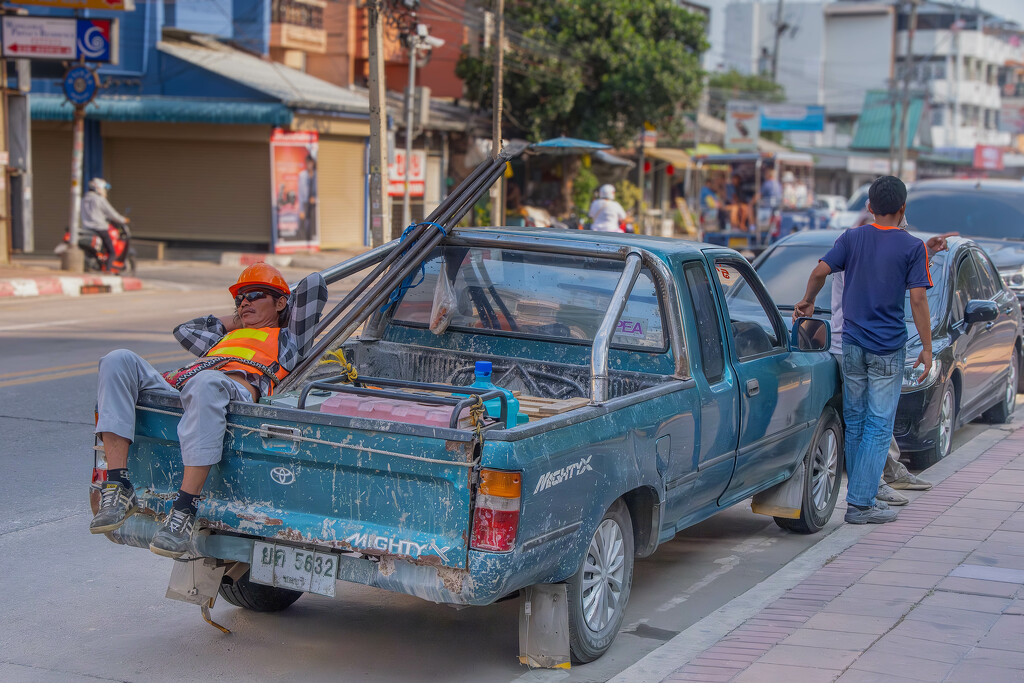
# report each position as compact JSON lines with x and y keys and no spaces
{"x":880,"y":262}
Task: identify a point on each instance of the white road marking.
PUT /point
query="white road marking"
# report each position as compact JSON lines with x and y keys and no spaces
{"x":29,"y":326}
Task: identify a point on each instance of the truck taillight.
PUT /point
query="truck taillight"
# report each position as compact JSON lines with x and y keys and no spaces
{"x":496,"y":515}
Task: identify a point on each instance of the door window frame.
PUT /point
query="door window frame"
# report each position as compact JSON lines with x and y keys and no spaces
{"x":761,"y":294}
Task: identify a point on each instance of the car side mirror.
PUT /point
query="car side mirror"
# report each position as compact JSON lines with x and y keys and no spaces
{"x":980,"y":311}
{"x":811,"y":334}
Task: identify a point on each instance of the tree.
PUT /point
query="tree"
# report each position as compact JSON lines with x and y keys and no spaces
{"x":732,"y":85}
{"x":595,"y":69}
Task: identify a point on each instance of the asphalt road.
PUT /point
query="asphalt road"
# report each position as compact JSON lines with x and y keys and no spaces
{"x":77,"y":607}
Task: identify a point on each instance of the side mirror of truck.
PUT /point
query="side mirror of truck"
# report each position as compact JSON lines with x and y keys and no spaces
{"x":811,"y":334}
{"x":980,"y":311}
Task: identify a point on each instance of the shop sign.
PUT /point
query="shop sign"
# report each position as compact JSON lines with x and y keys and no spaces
{"x":417,"y":174}
{"x":742,"y":126}
{"x":294,"y":196}
{"x":113,"y":5}
{"x":988,"y":158}
{"x":91,"y":40}
{"x":792,"y":117}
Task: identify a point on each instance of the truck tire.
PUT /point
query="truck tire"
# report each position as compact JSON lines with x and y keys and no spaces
{"x":257,"y":597}
{"x":599,"y":591}
{"x":823,"y":474}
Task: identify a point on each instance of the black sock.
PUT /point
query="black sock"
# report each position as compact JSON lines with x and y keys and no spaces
{"x":119,"y":475}
{"x":186,"y":502}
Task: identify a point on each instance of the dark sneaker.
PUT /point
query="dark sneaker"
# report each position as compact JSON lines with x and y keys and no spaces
{"x":117,"y":503}
{"x":888,"y":495}
{"x":879,"y":514}
{"x":175,"y":536}
{"x":910,"y":482}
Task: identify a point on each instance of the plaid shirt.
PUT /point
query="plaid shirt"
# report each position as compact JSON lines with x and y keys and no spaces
{"x":305,"y":304}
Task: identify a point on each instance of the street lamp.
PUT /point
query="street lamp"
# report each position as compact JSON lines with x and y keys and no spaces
{"x":419,"y":42}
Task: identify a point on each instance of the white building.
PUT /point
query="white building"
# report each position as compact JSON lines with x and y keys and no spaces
{"x":832,"y":54}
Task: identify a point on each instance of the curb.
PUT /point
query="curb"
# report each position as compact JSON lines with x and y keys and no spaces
{"x":240,"y":259}
{"x":68,"y":285}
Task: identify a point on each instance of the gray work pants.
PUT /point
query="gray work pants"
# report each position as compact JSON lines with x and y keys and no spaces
{"x":124,"y":375}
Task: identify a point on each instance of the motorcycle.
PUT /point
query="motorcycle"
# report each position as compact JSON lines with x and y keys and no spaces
{"x":96,"y":257}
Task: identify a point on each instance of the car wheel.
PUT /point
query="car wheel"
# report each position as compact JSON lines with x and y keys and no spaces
{"x":823,"y":469}
{"x":599,"y":590}
{"x":1001,"y":412}
{"x":1020,"y":375}
{"x":256,"y":597}
{"x":944,"y":439}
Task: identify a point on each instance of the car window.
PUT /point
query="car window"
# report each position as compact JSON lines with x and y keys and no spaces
{"x":968,"y":284}
{"x":971,"y":213}
{"x":755,"y":325}
{"x":937,"y":293}
{"x":989,"y":277}
{"x":858,"y":201}
{"x":784,"y":272}
{"x":706,"y":313}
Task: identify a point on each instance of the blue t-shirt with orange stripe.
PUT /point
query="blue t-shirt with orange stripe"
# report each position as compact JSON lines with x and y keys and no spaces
{"x":880,"y":263}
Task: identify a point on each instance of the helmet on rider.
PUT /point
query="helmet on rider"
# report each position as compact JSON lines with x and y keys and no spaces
{"x":606,"y":192}
{"x":99,"y":185}
{"x":261,"y":275}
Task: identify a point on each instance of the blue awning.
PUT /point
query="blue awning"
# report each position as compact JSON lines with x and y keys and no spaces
{"x":164,"y":109}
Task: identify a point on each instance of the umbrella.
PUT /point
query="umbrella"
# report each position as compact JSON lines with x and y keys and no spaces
{"x":565,"y":146}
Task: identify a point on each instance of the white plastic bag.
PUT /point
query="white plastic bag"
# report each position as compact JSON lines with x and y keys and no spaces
{"x":443,"y":307}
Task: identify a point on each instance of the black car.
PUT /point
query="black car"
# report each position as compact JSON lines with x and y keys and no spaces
{"x":976,"y":338}
{"x":991,"y":212}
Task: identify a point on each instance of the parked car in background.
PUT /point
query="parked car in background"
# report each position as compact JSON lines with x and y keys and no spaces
{"x":854,"y":212}
{"x":826,"y":207}
{"x":976,"y":338}
{"x":989,"y":211}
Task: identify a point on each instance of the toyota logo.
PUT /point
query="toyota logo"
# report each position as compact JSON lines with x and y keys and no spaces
{"x":282,"y":475}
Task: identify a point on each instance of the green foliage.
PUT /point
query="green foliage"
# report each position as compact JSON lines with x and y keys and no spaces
{"x":627,"y":194}
{"x":595,"y":69}
{"x":732,"y":85}
{"x":583,"y":190}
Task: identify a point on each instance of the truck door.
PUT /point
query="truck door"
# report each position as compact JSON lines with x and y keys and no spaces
{"x":773,"y":389}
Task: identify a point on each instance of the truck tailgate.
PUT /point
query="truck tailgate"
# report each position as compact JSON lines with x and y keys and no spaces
{"x":375,"y":491}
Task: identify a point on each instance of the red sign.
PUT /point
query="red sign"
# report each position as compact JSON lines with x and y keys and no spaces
{"x":417,"y":173}
{"x":988,"y":158}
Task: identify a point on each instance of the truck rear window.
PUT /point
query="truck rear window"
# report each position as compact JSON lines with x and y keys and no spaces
{"x":538,"y":295}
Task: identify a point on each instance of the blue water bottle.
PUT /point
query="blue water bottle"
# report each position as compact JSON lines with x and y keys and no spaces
{"x":482,"y":380}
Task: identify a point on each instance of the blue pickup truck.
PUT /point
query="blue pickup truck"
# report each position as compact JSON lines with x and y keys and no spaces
{"x":657,"y":385}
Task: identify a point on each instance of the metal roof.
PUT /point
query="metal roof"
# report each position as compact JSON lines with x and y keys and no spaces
{"x":163,"y":109}
{"x":874,"y":127}
{"x":293,"y":88}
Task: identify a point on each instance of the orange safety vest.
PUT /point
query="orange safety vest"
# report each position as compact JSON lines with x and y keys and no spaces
{"x":241,"y":350}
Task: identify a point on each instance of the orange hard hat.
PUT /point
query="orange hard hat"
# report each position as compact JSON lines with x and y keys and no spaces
{"x":260,"y":274}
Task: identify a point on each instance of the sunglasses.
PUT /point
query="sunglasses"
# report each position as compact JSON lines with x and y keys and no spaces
{"x":251,"y":296}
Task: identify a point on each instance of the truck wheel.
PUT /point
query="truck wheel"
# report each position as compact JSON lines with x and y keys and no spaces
{"x":823,"y":473}
{"x":257,"y":597}
{"x":599,"y":590}
{"x":1001,"y":412}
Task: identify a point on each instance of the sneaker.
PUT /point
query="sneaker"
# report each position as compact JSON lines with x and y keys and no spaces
{"x":175,"y":537}
{"x":873,"y":515}
{"x":117,"y":503}
{"x":910,"y":482}
{"x":888,"y":495}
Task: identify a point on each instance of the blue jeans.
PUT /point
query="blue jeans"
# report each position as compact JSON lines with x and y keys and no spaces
{"x":871,"y":392}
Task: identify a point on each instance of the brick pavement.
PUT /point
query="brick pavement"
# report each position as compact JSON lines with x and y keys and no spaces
{"x":937,"y":595}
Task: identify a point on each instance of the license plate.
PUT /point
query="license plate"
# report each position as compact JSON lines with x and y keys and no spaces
{"x":294,"y":568}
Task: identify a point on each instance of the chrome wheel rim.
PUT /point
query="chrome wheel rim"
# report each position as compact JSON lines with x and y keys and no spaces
{"x":603,"y":570}
{"x":824,"y":469}
{"x":945,"y":423}
{"x":1011,"y":387}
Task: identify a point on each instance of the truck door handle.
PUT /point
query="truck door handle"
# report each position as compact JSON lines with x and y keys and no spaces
{"x":753,"y":387}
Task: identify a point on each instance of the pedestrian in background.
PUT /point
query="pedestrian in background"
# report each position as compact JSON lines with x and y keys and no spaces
{"x":881,"y":263}
{"x":605,"y":213}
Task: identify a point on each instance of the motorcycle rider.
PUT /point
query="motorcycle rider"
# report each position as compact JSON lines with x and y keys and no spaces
{"x":97,"y":213}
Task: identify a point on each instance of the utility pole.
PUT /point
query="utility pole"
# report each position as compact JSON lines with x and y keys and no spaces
{"x":778,"y":36}
{"x":498,"y":207}
{"x":380,"y":203}
{"x":908,"y":62}
{"x":410,"y":95}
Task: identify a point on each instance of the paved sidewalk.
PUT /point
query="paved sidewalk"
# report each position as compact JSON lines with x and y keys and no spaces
{"x":41,"y":280}
{"x":937,"y":595}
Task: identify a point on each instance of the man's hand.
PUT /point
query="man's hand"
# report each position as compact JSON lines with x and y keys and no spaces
{"x":924,"y":359}
{"x":938,"y":242}
{"x":804,"y":309}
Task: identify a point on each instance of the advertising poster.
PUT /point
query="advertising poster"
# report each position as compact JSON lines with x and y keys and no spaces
{"x":988,"y":158}
{"x":742,"y":126}
{"x":792,"y":117}
{"x":295,"y":211}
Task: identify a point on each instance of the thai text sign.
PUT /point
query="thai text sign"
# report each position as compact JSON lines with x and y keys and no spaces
{"x":988,"y":158}
{"x":416,"y":169}
{"x":792,"y":117}
{"x":126,"y":5}
{"x":94,"y":40}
